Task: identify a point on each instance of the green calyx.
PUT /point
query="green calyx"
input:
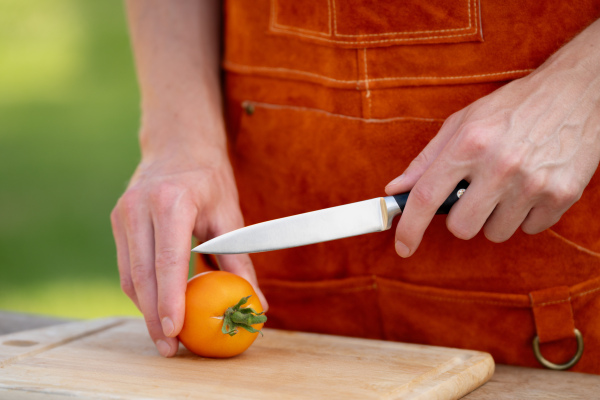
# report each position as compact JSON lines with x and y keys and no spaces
{"x":237,"y":317}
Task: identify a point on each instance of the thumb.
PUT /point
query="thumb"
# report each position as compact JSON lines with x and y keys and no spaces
{"x":419,"y":165}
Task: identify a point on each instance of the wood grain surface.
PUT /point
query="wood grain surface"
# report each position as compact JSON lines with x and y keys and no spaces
{"x":114,"y":358}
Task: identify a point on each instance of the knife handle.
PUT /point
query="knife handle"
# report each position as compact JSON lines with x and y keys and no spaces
{"x":445,"y":207}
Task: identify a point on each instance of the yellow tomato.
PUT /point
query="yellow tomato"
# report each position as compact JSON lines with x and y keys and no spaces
{"x":218,"y":322}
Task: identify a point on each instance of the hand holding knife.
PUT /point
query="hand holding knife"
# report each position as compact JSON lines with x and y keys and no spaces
{"x":374,"y":215}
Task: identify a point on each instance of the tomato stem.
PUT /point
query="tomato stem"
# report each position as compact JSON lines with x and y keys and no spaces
{"x":238,"y":317}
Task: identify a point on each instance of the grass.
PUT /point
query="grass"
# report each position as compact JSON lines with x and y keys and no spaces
{"x":68,"y":144}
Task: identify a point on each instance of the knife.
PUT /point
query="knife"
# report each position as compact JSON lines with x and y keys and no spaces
{"x":368,"y":216}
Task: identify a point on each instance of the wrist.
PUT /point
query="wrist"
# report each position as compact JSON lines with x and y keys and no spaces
{"x":173,"y":137}
{"x":180,"y":126}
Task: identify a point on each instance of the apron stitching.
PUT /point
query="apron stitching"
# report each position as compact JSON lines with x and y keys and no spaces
{"x":358,"y":81}
{"x":274,"y":24}
{"x":548,"y":303}
{"x":404,"y":32}
{"x":329,"y":15}
{"x":368,"y":94}
{"x":370,"y":120}
{"x":578,"y":247}
{"x":587,"y":292}
{"x":324,"y":77}
{"x":334,"y":18}
{"x":375,"y":41}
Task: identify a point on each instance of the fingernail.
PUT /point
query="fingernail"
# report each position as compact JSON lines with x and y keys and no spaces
{"x":163,"y":348}
{"x":397,"y":180}
{"x":168,"y":326}
{"x":401,"y":249}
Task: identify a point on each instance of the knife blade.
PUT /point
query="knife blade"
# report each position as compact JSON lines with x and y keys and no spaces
{"x":368,"y":216}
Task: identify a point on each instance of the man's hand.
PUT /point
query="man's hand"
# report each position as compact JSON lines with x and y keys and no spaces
{"x":528,"y":150}
{"x":184,"y":184}
{"x":166,"y":202}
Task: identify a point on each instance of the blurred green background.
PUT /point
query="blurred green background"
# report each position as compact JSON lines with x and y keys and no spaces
{"x":68,"y":144}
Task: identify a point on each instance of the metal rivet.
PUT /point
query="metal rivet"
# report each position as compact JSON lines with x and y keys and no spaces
{"x":249,"y":108}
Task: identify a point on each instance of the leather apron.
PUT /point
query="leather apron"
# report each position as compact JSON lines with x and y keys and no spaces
{"x":329,"y":100}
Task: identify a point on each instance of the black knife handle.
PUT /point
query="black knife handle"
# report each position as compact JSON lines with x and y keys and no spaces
{"x":444,"y":208}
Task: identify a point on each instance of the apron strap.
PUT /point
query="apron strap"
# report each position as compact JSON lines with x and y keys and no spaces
{"x":553,"y":314}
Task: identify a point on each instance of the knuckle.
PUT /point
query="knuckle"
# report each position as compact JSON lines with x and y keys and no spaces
{"x":474,"y":140}
{"x":140,"y":276}
{"x":154,"y":326}
{"x":164,"y":195}
{"x":460,"y":230}
{"x":530,"y":229}
{"x":114,"y":216}
{"x":131,"y":198}
{"x":127,"y":287}
{"x":536,"y":185}
{"x":114,"y":219}
{"x":451,"y":119}
{"x":495,"y":236}
{"x":422,"y":195}
{"x":565,"y":195}
{"x":168,"y":259}
{"x":508,"y":165}
{"x":129,"y":203}
{"x":420,"y":160}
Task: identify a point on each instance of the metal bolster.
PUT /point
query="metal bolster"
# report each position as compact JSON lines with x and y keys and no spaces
{"x":390,"y":209}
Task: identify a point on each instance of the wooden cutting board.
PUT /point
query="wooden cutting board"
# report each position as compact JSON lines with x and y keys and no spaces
{"x":114,"y":358}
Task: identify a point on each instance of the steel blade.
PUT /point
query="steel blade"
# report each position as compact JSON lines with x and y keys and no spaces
{"x":298,"y":230}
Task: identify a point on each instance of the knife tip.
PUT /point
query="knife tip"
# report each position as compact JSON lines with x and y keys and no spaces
{"x":197,"y":249}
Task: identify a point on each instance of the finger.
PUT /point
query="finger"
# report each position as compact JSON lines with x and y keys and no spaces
{"x":541,"y":218}
{"x":436,"y":184}
{"x":173,"y":217}
{"x":239,"y":264}
{"x":118,"y":229}
{"x":554,"y":199}
{"x":141,"y":259}
{"x":506,"y":219}
{"x":425,"y":158}
{"x":470,"y":213}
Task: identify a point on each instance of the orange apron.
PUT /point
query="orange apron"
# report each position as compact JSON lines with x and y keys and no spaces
{"x":329,"y":100}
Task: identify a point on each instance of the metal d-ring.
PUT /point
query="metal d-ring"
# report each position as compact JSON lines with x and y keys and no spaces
{"x":560,"y":367}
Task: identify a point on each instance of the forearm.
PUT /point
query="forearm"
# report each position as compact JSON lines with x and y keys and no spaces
{"x":176,"y":47}
{"x":575,"y":66}
{"x":566,"y":92}
{"x":583,"y":50}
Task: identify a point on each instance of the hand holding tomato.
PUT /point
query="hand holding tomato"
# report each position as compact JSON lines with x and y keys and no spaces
{"x":223,"y":315}
{"x":184,"y":184}
{"x":168,"y":201}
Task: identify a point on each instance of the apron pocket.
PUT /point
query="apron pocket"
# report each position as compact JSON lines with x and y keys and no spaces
{"x":339,"y":307}
{"x":498,"y":323}
{"x":365,"y":23}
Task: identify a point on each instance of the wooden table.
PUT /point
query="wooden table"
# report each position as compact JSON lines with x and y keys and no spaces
{"x":508,"y":382}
